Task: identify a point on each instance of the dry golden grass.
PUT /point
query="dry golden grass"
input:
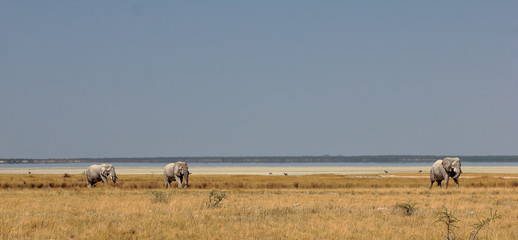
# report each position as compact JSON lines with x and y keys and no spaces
{"x":255,"y":207}
{"x":329,"y":181}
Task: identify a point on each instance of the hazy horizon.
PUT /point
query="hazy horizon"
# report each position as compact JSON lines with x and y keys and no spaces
{"x":142,"y":79}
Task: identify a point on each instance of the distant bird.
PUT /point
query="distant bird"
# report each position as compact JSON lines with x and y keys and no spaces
{"x":385,"y":171}
{"x":420,"y":171}
{"x":285,"y":174}
{"x":29,"y":172}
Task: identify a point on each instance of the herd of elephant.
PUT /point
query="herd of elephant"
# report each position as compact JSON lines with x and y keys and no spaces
{"x":442,"y":169}
{"x":178,"y":171}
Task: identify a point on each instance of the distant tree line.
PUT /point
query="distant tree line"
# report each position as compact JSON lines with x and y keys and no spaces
{"x":274,"y":159}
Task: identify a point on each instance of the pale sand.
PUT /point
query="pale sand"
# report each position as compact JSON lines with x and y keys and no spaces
{"x":291,"y":171}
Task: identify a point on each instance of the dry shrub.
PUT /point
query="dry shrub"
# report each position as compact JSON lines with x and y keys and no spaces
{"x":215,"y":198}
{"x":161,"y":197}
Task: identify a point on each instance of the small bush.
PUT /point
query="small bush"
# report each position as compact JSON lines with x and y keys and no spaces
{"x":449,"y":220}
{"x":215,"y":198}
{"x":161,"y":197}
{"x":408,"y":207}
{"x":481,"y":223}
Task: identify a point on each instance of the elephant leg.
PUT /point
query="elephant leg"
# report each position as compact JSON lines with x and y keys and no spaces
{"x":431,"y":183}
{"x":456,"y":182}
{"x":104,"y":180}
{"x":91,"y":183}
{"x":167,"y":182}
{"x":179,"y":181}
{"x":446,"y":183}
{"x":439,"y":183}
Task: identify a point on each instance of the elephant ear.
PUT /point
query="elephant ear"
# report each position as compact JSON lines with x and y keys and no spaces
{"x":446,"y":164}
{"x":455,"y":161}
{"x":103,"y":171}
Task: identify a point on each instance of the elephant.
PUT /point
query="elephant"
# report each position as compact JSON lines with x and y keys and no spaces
{"x":97,"y":173}
{"x":178,"y":171}
{"x":444,"y":169}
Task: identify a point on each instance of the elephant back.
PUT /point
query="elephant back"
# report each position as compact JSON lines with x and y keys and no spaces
{"x":169,"y":169}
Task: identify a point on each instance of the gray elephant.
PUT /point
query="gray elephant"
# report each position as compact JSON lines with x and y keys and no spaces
{"x":97,"y":173}
{"x":444,"y":169}
{"x":176,"y":171}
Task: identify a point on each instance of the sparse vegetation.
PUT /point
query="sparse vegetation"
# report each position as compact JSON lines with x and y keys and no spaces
{"x":449,"y":220}
{"x":408,"y":207}
{"x":269,"y":207}
{"x":196,"y":181}
{"x":481,"y":223}
{"x":161,"y":197}
{"x":215,"y":197}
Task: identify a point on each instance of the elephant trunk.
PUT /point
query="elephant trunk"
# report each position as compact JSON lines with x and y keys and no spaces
{"x":114,"y":177}
{"x":186,"y":178}
{"x":457,"y":173}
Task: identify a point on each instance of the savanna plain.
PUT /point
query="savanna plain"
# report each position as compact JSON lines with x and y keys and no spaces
{"x":394,"y":206}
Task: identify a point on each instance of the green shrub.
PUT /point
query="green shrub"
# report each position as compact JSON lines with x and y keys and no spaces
{"x":449,"y":220}
{"x":408,"y":207}
{"x":481,"y":223}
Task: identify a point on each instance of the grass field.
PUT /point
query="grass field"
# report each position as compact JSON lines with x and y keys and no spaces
{"x":41,"y":206}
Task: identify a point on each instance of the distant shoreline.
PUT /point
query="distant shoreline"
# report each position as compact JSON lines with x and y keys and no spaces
{"x":268,"y":159}
{"x":291,"y":171}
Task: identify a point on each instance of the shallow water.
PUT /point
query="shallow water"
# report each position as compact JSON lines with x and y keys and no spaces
{"x":253,"y":164}
{"x":263,"y":168}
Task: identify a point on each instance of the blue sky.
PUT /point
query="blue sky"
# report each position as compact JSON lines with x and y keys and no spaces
{"x":257,"y":78}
